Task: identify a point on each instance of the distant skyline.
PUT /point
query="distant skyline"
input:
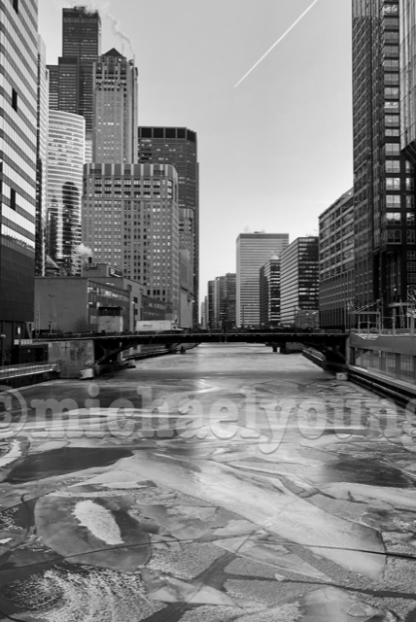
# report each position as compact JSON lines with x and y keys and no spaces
{"x":274,"y":152}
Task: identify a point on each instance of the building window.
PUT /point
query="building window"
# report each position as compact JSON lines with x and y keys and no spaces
{"x":393,"y":218}
{"x":410,"y":201}
{"x":411,"y":254}
{"x":13,"y":198}
{"x":393,"y":200}
{"x":392,"y":166}
{"x":388,"y":9}
{"x":393,"y":183}
{"x":410,"y":218}
{"x":394,"y":236}
{"x":411,"y":266}
{"x":392,"y":148}
{"x":14,"y":99}
{"x":410,"y":236}
{"x":391,"y":93}
{"x":392,"y":120}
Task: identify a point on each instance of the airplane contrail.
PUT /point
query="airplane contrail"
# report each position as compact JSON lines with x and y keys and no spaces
{"x":277,"y":42}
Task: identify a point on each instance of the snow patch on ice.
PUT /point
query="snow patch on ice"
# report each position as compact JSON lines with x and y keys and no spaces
{"x":99,"y":521}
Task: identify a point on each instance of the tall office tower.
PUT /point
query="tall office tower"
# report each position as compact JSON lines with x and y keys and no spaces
{"x":383,"y":177}
{"x":211,"y":319}
{"x":41,"y":158}
{"x":270,"y":293}
{"x":18,"y":100}
{"x":204,"y":305}
{"x":131,"y":219}
{"x":336,"y":263}
{"x":225,"y":301}
{"x":66,"y":152}
{"x":178,"y":146}
{"x":115,"y":109}
{"x":299,"y":280}
{"x":408,"y":119}
{"x":253,"y":250}
{"x":71,"y":84}
{"x":186,"y":289}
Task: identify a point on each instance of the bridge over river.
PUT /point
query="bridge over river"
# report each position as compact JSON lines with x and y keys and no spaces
{"x":102,"y":349}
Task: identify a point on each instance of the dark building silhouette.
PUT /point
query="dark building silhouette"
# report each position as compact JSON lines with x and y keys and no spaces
{"x":225,"y":301}
{"x":383,"y":178}
{"x":71,"y":81}
{"x":300,"y":281}
{"x":270,"y":293}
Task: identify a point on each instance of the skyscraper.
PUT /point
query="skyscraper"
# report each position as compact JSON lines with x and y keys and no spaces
{"x":178,"y":146}
{"x":71,"y":85}
{"x":115,"y":109}
{"x":18,"y":103}
{"x":224,"y":301}
{"x":66,"y":149}
{"x":336,"y":262}
{"x":131,"y":220}
{"x":270,"y":292}
{"x":253,"y":250}
{"x":41,"y":158}
{"x":383,"y":177}
{"x":299,"y":280}
{"x":210,"y":317}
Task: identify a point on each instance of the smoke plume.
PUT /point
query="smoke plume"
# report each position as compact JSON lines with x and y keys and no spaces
{"x":84,"y":252}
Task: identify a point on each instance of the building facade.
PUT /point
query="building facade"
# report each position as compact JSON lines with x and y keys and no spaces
{"x":253,"y":250}
{"x":270,"y":293}
{"x":225,"y":301}
{"x":115,"y":109}
{"x":131,"y":220}
{"x":336,"y":263}
{"x":383,"y":177}
{"x":73,"y":305}
{"x":210,"y":315}
{"x":66,"y":153}
{"x":18,"y":107}
{"x":179,"y":146}
{"x":42,"y":131}
{"x":300,"y":281}
{"x":71,"y":81}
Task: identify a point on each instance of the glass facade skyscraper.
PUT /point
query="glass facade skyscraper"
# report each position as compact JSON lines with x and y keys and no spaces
{"x":253,"y":250}
{"x":66,"y":152}
{"x":179,"y":146}
{"x":384,"y":214}
{"x":41,"y":158}
{"x":299,"y":280}
{"x":18,"y":97}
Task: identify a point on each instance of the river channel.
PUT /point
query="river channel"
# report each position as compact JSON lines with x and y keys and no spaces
{"x":226,"y":484}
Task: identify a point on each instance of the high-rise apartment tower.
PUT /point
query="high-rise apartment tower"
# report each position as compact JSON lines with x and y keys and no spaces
{"x":384,"y":217}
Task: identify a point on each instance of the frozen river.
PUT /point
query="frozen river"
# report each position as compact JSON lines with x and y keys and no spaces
{"x":226,"y":484}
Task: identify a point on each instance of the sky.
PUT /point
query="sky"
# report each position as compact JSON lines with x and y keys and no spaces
{"x":276,"y":150}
